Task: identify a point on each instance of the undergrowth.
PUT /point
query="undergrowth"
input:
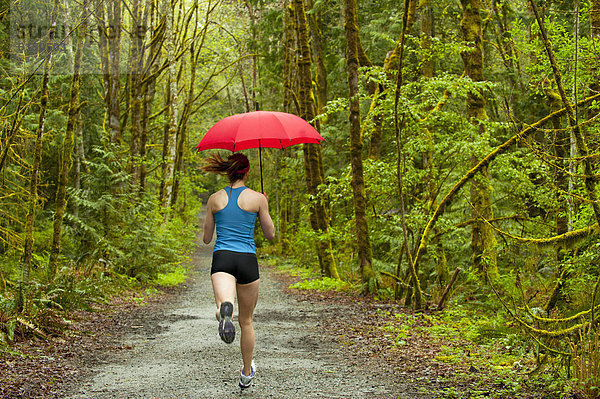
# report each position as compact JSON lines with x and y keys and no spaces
{"x":486,"y":351}
{"x":174,"y":277}
{"x":152,"y":254}
{"x":322,"y":284}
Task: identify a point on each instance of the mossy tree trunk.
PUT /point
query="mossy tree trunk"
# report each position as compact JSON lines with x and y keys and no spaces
{"x":34,"y":179}
{"x":199,"y":32}
{"x":289,"y":59}
{"x":483,"y":241}
{"x":505,"y":43}
{"x":66,"y":161}
{"x":363,"y":242}
{"x":170,"y":137}
{"x":484,"y":162}
{"x":313,"y":165}
{"x":399,"y":126}
{"x":581,"y":144}
{"x":108,"y":18}
{"x":148,"y":90}
{"x":595,"y":33}
{"x":290,"y":104}
{"x":390,"y":64}
{"x":137,"y":35}
{"x":318,"y":47}
{"x":430,"y":183}
{"x":561,"y":151}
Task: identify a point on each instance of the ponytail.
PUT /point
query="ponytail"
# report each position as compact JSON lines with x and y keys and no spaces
{"x":235,"y":167}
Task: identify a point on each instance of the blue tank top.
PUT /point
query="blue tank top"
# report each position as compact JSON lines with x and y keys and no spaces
{"x":235,"y":226}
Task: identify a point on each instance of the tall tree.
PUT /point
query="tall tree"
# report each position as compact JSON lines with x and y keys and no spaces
{"x":580,"y":141}
{"x":363,"y":243}
{"x":483,"y":241}
{"x":289,"y":58}
{"x":399,"y":127}
{"x":318,"y":52}
{"x":390,"y":64}
{"x":430,"y":183}
{"x":37,"y":160}
{"x":137,"y":34}
{"x":170,"y":138}
{"x":595,"y":36}
{"x":67,"y":147}
{"x":151,"y":71}
{"x":313,"y":164}
{"x":109,"y":46}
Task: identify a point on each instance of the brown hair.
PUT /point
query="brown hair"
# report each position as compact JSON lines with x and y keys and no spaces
{"x":235,"y":167}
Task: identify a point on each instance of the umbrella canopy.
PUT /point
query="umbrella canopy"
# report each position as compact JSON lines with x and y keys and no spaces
{"x":259,"y":129}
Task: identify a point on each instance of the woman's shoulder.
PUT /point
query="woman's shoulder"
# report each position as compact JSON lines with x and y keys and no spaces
{"x":248,"y":190}
{"x":218,"y":199}
{"x":252,"y":194}
{"x":217,"y":194}
{"x":250,"y":200}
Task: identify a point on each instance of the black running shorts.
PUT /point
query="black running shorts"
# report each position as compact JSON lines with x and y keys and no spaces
{"x":241,"y":265}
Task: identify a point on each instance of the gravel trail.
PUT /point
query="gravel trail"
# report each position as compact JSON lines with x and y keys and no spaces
{"x":176,"y":352}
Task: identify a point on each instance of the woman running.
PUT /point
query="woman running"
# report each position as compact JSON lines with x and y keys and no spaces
{"x":234,"y":210}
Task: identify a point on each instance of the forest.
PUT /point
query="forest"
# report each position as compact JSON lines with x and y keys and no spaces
{"x":457,"y":176}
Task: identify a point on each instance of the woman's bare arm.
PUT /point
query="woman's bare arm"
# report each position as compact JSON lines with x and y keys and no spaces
{"x":209,"y":222}
{"x":266,"y":223}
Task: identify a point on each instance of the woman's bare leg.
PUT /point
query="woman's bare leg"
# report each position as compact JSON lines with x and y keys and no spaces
{"x":247,"y":295}
{"x":223,"y":288}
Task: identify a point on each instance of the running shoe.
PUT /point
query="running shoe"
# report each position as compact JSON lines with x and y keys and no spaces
{"x":226,"y":327}
{"x":246,"y":380}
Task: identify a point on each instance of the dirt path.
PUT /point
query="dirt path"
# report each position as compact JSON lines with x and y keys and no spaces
{"x":176,"y":352}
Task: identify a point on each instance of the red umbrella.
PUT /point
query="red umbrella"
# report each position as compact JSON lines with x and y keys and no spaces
{"x":259,"y":129}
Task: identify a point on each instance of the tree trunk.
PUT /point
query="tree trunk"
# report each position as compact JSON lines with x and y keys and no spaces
{"x":365,"y":256}
{"x":114,"y":54}
{"x":390,"y":64}
{"x":254,"y":50}
{"x":170,"y":146}
{"x":595,"y":33}
{"x":289,"y":59}
{"x":582,"y":148}
{"x":109,"y":48}
{"x":318,"y":44}
{"x":483,"y":241}
{"x":312,"y":152}
{"x":194,"y":52}
{"x":79,"y":159}
{"x":136,"y":61}
{"x":149,"y":87}
{"x":430,"y":184}
{"x":67,"y":150}
{"x":35,"y":171}
{"x":506,"y":45}
{"x":398,"y":128}
{"x":561,"y":151}
{"x":289,"y":80}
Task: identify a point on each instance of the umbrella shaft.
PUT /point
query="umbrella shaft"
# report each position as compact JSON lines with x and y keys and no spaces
{"x":262,"y":190}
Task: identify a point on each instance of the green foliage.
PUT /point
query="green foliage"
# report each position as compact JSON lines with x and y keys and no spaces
{"x":115,"y":234}
{"x":471,"y":339}
{"x":173,"y":277}
{"x":585,"y":364}
{"x":322,"y":284}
